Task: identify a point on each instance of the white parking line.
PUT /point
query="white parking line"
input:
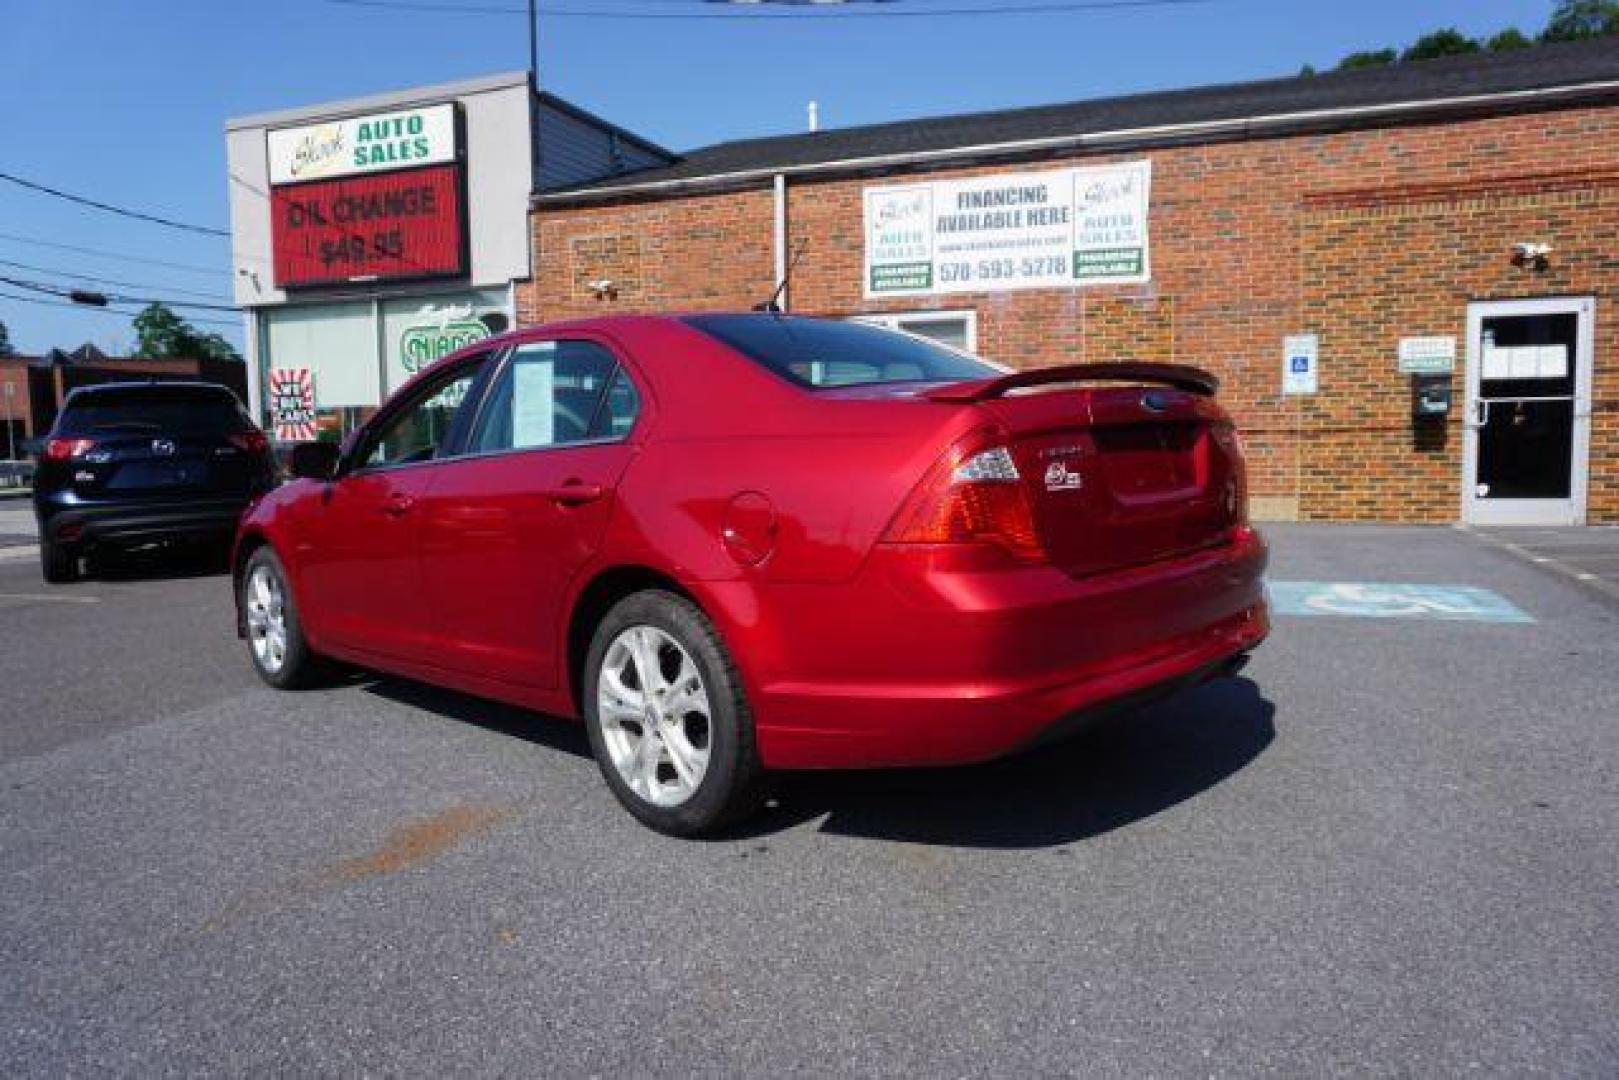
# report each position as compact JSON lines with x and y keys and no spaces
{"x":49,"y":598}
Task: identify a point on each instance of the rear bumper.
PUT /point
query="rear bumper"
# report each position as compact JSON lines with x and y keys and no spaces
{"x":940,"y":667}
{"x":140,"y":523}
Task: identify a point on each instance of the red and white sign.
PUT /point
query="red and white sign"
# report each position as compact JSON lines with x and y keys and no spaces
{"x":292,"y":404}
{"x":404,"y":224}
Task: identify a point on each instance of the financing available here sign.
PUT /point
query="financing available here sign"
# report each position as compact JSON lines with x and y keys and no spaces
{"x":1038,"y":230}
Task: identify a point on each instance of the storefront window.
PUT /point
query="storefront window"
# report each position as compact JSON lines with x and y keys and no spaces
{"x":358,"y":352}
{"x":957,"y":329}
{"x":421,"y":330}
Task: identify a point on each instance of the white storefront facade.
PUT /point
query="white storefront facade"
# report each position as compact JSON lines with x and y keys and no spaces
{"x":372,"y":236}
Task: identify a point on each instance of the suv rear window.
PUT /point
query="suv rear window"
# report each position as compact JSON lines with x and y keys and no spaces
{"x":172,"y":410}
{"x":819,"y":353}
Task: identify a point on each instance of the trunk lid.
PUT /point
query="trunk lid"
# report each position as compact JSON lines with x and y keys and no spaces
{"x":1124,"y":475}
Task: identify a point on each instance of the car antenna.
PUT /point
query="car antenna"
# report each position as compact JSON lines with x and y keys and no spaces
{"x":773,"y":305}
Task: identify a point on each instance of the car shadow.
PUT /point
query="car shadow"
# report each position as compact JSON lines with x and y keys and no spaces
{"x":159,"y":563}
{"x":1122,"y":770}
{"x":549,"y":731}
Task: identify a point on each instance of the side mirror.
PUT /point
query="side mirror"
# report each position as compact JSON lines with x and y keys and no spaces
{"x":314,"y":460}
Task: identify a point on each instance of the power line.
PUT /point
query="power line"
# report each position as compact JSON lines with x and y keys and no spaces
{"x":116,"y":298}
{"x":111,"y":281}
{"x":803,"y":12}
{"x":192,"y":268}
{"x":205,"y":230}
{"x":105,"y":311}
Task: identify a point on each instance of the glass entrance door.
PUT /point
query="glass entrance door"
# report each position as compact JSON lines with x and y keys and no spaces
{"x":1528,"y":412}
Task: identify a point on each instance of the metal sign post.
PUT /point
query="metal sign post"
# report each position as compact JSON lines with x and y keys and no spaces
{"x":11,"y":434}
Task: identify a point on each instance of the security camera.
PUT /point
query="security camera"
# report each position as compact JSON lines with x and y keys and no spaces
{"x":603,"y":288}
{"x":1534,"y":256}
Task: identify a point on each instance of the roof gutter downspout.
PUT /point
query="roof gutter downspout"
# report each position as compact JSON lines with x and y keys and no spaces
{"x":781,"y":239}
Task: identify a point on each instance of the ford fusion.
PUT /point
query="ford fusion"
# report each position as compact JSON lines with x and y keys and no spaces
{"x":739,"y":543}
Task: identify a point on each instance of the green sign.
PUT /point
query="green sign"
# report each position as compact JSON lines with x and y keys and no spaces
{"x":420,"y":346}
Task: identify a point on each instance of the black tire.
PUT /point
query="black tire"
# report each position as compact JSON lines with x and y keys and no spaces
{"x":58,"y":564}
{"x":300,"y":667}
{"x":732,"y":786}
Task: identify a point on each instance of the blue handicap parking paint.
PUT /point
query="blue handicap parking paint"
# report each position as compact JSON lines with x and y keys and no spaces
{"x":1393,"y":600}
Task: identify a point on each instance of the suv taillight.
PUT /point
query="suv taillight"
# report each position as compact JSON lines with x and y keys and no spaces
{"x":63,"y":449}
{"x":972,"y":496}
{"x":254,"y":441}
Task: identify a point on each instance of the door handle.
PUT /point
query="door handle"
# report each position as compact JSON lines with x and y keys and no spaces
{"x":398,"y":505}
{"x":573,"y":493}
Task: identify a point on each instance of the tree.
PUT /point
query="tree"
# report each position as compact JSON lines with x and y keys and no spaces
{"x":160,"y":333}
{"x":1447,"y":42}
{"x":5,"y":342}
{"x":1368,"y":59}
{"x":1507,"y":40}
{"x":1573,"y":20}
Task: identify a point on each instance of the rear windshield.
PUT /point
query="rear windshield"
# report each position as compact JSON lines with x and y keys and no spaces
{"x":825,"y":352}
{"x":175,"y":411}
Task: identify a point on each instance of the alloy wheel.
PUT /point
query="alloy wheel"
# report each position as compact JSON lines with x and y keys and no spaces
{"x":655,"y":715}
{"x":267,"y":618}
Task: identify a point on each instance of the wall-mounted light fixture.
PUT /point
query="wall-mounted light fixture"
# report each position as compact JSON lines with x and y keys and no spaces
{"x":1531,"y":256}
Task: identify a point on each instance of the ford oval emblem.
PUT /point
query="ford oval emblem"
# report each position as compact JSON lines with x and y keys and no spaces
{"x":1156,"y":400}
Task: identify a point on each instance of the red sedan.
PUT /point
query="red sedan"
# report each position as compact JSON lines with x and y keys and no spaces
{"x":736,"y":543}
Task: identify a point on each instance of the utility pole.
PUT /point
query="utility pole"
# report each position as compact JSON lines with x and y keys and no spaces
{"x":533,"y":46}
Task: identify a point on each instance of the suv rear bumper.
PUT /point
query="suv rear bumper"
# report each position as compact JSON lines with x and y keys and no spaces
{"x":82,"y":524}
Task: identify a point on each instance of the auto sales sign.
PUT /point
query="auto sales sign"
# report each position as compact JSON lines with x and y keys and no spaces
{"x":1037,"y":230}
{"x":377,"y":142}
{"x":368,"y":198}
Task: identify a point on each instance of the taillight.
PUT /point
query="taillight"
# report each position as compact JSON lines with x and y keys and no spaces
{"x":63,"y":449}
{"x":972,"y":497}
{"x":254,"y":442}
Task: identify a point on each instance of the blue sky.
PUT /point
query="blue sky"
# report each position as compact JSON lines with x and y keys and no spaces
{"x":125,"y":100}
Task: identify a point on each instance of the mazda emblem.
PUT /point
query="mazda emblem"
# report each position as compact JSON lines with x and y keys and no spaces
{"x":1155,"y":400}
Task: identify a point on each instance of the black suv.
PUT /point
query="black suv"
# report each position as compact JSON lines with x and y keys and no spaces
{"x":130,"y":464}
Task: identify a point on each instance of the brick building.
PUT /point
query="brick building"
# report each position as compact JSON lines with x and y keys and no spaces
{"x":32,"y":388}
{"x":1458,"y":217}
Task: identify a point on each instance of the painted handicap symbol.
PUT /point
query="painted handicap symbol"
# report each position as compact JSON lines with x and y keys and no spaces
{"x":1388,"y":600}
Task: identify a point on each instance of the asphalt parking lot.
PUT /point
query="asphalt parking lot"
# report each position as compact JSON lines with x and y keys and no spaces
{"x":1391,"y":847}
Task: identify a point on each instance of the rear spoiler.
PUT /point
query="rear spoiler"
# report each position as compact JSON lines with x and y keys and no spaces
{"x":1180,"y":376}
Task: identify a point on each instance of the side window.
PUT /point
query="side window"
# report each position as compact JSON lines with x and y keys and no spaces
{"x":553,"y":393}
{"x":419,"y":432}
